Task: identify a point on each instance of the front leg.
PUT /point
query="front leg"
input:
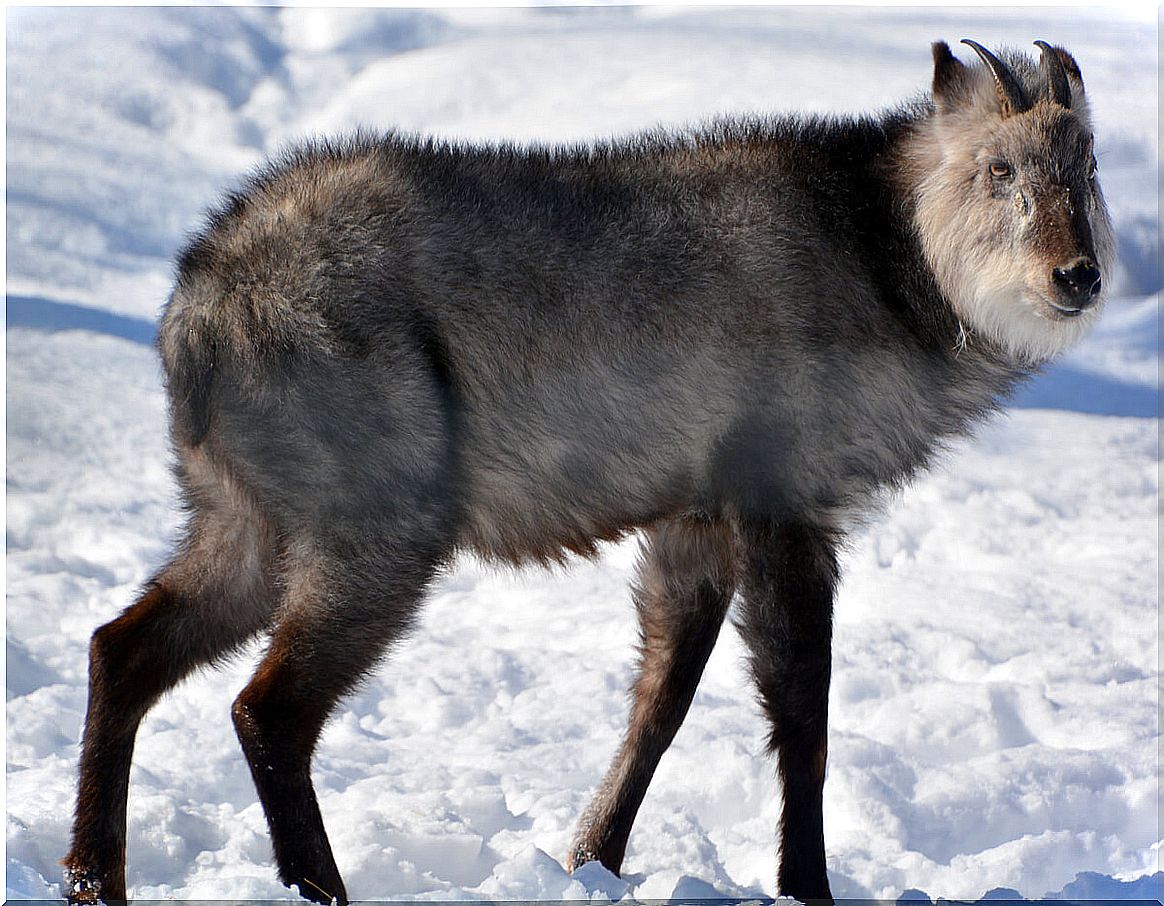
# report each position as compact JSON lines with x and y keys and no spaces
{"x":684,"y":586}
{"x":788,"y":575}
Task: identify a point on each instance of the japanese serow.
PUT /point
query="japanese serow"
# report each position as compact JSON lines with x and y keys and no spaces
{"x":386,"y":350}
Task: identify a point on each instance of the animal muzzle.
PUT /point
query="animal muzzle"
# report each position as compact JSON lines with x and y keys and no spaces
{"x":1076,"y":286}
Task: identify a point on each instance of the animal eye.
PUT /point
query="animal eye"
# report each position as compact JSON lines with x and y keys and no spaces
{"x":999,"y":169}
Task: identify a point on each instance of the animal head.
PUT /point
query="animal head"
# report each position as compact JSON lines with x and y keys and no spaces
{"x":1009,"y":209}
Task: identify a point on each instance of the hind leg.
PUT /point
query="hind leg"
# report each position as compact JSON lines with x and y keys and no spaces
{"x":684,"y":586}
{"x":212,"y":596}
{"x":345,"y":605}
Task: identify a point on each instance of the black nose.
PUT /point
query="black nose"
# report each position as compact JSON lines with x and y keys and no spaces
{"x":1078,"y":284}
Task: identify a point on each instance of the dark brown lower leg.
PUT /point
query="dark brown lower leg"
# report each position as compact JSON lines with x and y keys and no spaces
{"x":278,"y":728}
{"x":685,"y":584}
{"x":339,"y":620}
{"x":171,"y":630}
{"x":788,"y":582}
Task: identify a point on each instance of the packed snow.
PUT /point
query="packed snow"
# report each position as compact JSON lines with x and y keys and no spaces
{"x":995,"y":701}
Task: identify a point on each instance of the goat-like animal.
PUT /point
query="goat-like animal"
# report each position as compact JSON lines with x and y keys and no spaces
{"x":385,"y":350}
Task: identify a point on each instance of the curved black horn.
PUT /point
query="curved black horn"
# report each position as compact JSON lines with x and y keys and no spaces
{"x":1059,"y":89}
{"x":1009,"y":89}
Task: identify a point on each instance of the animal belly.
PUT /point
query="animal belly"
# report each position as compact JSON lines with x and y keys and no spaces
{"x":536,"y":494}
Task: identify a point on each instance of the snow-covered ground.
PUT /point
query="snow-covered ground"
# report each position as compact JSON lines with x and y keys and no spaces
{"x":995,"y":708}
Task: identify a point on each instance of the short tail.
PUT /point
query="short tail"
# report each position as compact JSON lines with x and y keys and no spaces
{"x":190,"y":356}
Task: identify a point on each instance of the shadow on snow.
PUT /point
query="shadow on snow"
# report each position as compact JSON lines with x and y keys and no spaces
{"x":53,"y":317}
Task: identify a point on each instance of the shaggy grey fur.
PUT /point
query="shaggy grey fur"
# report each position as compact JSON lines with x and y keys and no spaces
{"x":386,"y":349}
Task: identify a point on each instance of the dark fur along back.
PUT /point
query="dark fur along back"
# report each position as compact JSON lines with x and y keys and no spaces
{"x":385,"y":350}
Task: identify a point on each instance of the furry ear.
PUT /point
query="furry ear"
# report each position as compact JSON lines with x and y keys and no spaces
{"x":1075,"y":80}
{"x":1072,"y":68}
{"x":952,"y":84}
{"x":1054,"y":73}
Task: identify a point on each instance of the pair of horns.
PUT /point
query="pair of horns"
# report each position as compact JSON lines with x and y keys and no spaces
{"x":1011,"y":91}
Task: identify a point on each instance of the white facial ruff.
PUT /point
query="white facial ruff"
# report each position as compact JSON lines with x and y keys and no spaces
{"x":1019,"y":320}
